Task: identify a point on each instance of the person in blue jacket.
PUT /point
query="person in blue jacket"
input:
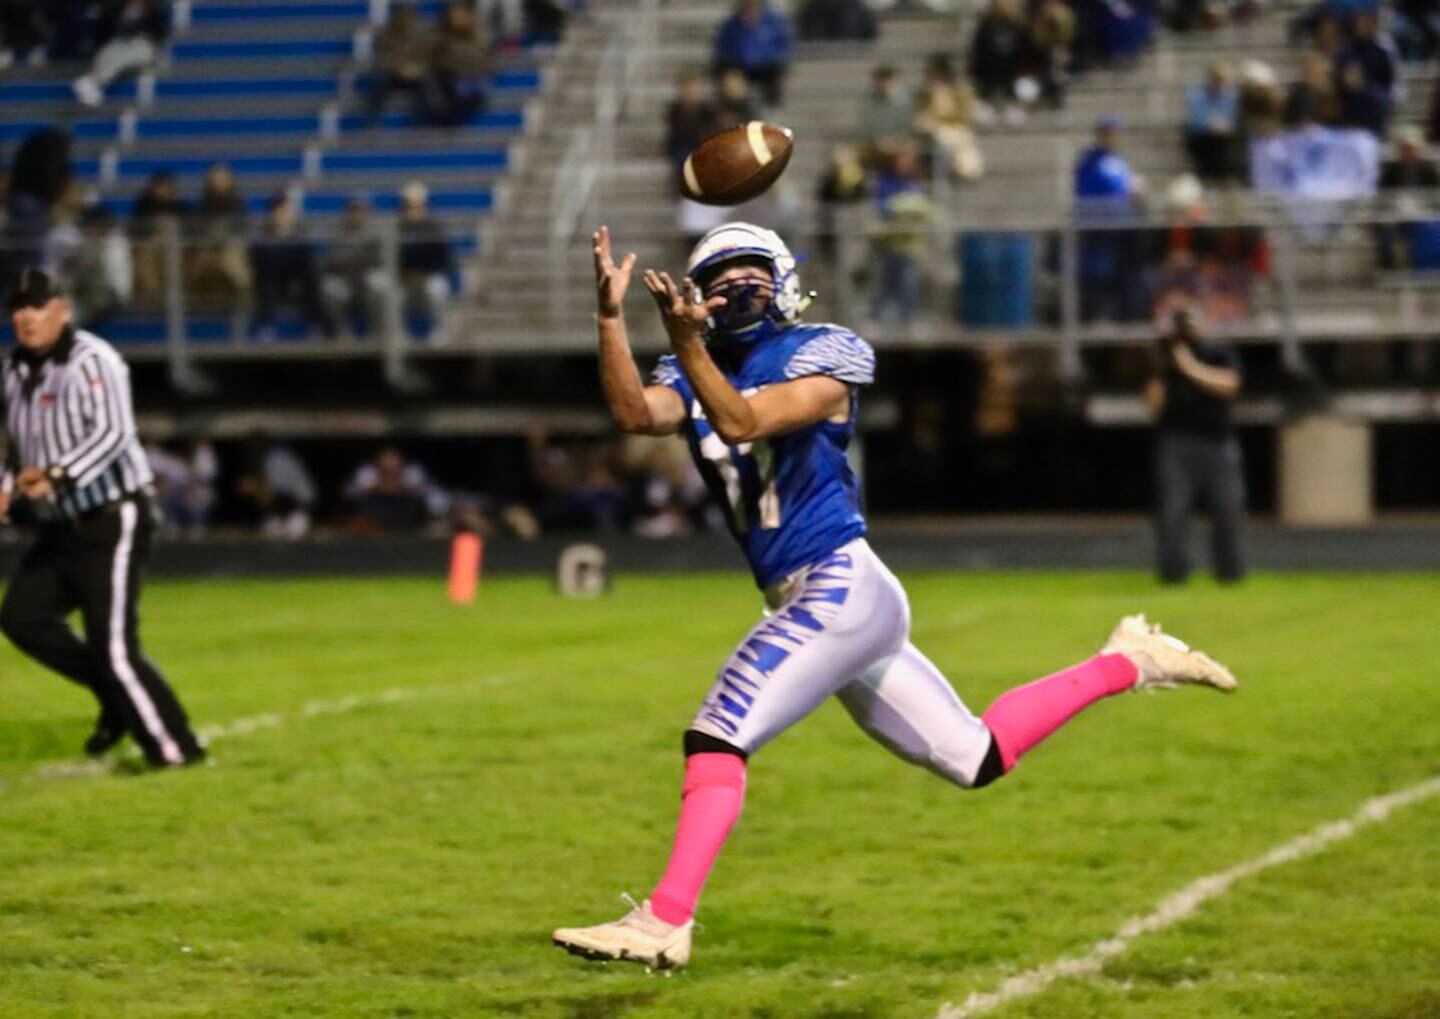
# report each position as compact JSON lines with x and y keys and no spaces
{"x":755,"y":40}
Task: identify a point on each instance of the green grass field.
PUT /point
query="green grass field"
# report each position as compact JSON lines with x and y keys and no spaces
{"x":408,"y":857}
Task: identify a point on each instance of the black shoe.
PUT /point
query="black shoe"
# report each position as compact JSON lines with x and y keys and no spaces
{"x":105,"y":736}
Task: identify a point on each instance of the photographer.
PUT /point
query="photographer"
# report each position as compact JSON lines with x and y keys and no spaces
{"x":1196,"y":452}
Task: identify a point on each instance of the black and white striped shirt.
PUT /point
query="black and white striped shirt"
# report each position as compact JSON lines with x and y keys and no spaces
{"x":71,"y":409}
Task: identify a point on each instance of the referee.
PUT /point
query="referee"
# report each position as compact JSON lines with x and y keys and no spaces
{"x":73,"y":454}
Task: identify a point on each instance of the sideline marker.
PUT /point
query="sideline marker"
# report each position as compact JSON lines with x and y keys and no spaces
{"x":467,"y":551}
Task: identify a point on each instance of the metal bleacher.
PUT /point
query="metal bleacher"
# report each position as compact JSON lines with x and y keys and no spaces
{"x":1333,"y":289}
{"x":270,"y":87}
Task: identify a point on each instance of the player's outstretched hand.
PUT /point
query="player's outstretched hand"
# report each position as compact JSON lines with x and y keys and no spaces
{"x":683,"y":308}
{"x":611,"y":280}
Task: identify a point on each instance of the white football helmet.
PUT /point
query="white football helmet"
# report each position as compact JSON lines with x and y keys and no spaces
{"x":729,"y":242}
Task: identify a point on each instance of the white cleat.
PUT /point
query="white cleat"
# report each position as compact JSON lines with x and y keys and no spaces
{"x":638,"y":936}
{"x":1165,"y":661}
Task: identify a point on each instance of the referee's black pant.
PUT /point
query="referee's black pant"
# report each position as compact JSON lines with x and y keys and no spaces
{"x":94,"y":565}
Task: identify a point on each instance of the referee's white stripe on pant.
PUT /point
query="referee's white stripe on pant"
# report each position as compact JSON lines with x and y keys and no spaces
{"x":119,"y":650}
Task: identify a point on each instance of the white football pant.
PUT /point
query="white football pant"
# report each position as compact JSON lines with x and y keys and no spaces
{"x":842,"y":627}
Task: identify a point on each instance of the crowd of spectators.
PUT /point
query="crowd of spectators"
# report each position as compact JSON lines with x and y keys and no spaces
{"x":637,"y":484}
{"x":1142,"y":249}
{"x":335,"y":282}
{"x":443,"y":68}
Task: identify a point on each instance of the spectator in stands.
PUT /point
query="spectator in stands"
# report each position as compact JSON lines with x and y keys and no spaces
{"x":1181,"y":248}
{"x":277,"y":487}
{"x":837,"y":20}
{"x":62,"y":237}
{"x":579,"y":482}
{"x":1102,"y":172}
{"x":216,"y":262}
{"x":944,"y":112}
{"x":402,"y":60}
{"x":906,"y":214}
{"x":1362,"y":105}
{"x":426,"y":260}
{"x":39,"y":175}
{"x":1196,"y":455}
{"x":157,"y":208}
{"x":1411,"y":169}
{"x":392,"y":494}
{"x":1409,"y":182}
{"x":285,"y":270}
{"x":666,"y":493}
{"x":755,"y":40}
{"x":733,"y":106}
{"x":133,"y":34}
{"x":353,"y":278}
{"x":886,"y":118}
{"x":71,"y":28}
{"x":458,"y":65}
{"x":943,"y":117}
{"x":185,"y":485}
{"x":545,"y":20}
{"x":1375,"y":53}
{"x":844,"y":185}
{"x":1106,"y":192}
{"x":734,"y":103}
{"x":689,"y":119}
{"x":1212,"y":124}
{"x":998,"y":51}
{"x":1313,"y":99}
{"x":1262,"y":102}
{"x":1415,"y":26}
{"x":24,"y":33}
{"x":1432,"y":117}
{"x":100,"y":276}
{"x":1215,"y":266}
{"x":1051,"y":50}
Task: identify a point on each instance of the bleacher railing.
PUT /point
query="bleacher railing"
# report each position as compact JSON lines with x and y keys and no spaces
{"x":1269,"y":273}
{"x":591,"y":147}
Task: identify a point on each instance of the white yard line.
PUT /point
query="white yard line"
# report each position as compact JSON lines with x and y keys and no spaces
{"x":1186,"y":901}
{"x":54,"y":770}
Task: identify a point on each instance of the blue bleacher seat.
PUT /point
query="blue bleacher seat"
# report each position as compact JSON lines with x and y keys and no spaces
{"x":322,"y":86}
{"x":263,"y":49}
{"x":88,"y":130}
{"x":496,"y":120}
{"x":416,"y":162}
{"x":355,"y":10}
{"x":332,"y":203}
{"x":241,"y":165}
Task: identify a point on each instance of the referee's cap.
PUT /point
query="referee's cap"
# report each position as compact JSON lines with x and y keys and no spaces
{"x":32,"y":288}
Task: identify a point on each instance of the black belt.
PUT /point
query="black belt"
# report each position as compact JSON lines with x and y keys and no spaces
{"x":106,"y":508}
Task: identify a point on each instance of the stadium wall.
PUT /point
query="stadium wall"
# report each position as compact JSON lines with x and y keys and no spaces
{"x":1123,"y":544}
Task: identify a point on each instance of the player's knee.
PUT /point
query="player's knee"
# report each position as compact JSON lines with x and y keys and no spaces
{"x":967,"y":775}
{"x":991,"y":768}
{"x":703,"y":743}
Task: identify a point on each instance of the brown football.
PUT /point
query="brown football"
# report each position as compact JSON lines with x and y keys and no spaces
{"x":734,"y":166}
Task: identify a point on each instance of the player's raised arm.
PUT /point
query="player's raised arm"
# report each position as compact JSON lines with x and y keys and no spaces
{"x":775,"y":410}
{"x":649,"y":410}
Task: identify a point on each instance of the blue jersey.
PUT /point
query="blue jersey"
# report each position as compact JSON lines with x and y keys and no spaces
{"x":791,"y":499}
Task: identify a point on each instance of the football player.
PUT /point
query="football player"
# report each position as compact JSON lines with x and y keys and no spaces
{"x":768,"y":404}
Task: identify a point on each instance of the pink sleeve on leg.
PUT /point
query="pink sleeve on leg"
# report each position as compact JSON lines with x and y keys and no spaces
{"x":1023,"y":717}
{"x":713,"y":794}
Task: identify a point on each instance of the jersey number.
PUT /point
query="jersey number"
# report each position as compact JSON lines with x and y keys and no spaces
{"x":727,"y":463}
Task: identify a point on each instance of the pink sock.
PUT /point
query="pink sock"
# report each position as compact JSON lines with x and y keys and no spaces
{"x":710,"y":803}
{"x":1024,"y":716}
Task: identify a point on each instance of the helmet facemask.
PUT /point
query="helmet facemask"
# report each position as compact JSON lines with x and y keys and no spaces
{"x":748,"y":285}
